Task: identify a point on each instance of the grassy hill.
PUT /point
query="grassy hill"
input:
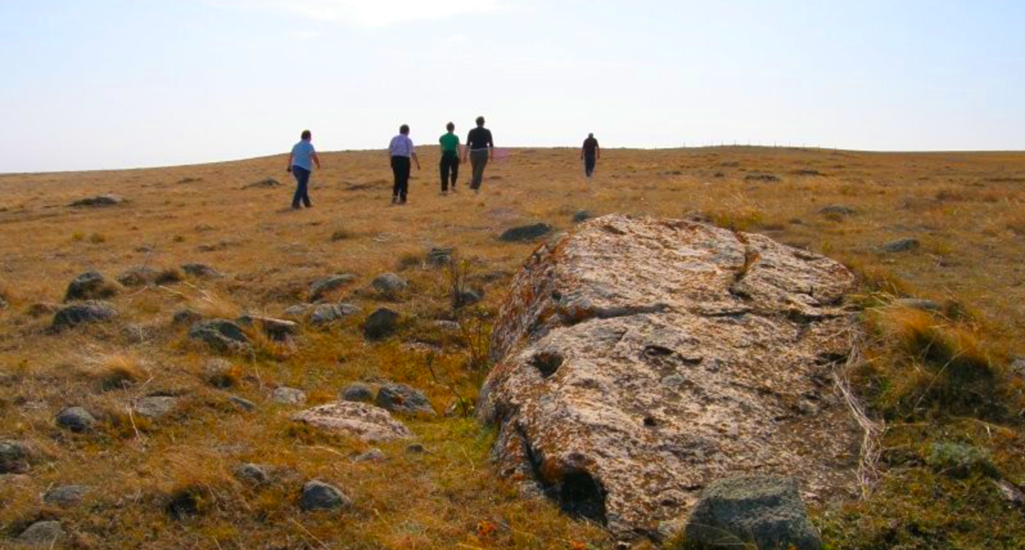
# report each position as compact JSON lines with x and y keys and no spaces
{"x":938,"y":377}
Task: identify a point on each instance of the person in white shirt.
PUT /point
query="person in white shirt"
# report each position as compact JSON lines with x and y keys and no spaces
{"x":401,"y":151}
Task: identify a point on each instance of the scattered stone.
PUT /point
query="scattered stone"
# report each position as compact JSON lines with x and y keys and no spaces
{"x":439,"y":257}
{"x":221,"y":373}
{"x":358,"y":393}
{"x":42,"y":534}
{"x":220,"y":334}
{"x":76,"y":419}
{"x":902,"y":245}
{"x":837,"y":210}
{"x":360,"y":420}
{"x":66,"y":496}
{"x":581,"y":216}
{"x":466,"y":297}
{"x":98,"y":201}
{"x":136,"y":333}
{"x":373,"y":455}
{"x":184,"y":317}
{"x":288,"y":396}
{"x":3,"y":303}
{"x":155,"y":406}
{"x":318,"y":495}
{"x":91,"y":286}
{"x":321,"y":288}
{"x":917,"y":303}
{"x":1011,"y":494}
{"x":325,"y":314}
{"x":447,"y":326}
{"x":201,"y":271}
{"x":403,"y":399}
{"x":762,"y":177}
{"x":253,"y":474}
{"x":1018,"y":366}
{"x":416,"y":449}
{"x":14,"y":457}
{"x":599,"y":321}
{"x":276,"y":329}
{"x":266,"y":183}
{"x":139,"y":276}
{"x":84,"y":313}
{"x":381,"y":324}
{"x":389,"y":284}
{"x":526,"y":233}
{"x":297,"y":311}
{"x":242,"y":403}
{"x":766,"y":512}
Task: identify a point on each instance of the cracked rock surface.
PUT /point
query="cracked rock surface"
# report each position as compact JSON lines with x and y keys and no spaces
{"x":639,"y":360}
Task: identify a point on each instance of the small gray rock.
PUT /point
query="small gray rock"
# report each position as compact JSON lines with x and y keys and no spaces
{"x":329,"y":284}
{"x":220,"y":334}
{"x":581,"y":216}
{"x":373,"y":455}
{"x":837,"y":210}
{"x":416,"y":449}
{"x":66,"y":496}
{"x":403,"y":399}
{"x":253,"y":474}
{"x":14,"y":457}
{"x":765,"y":511}
{"x":98,"y":201}
{"x":42,"y":534}
{"x":138,"y":276}
{"x":297,"y":311}
{"x":201,"y":271}
{"x":275,"y":329}
{"x":439,"y":257}
{"x":242,"y":403}
{"x":389,"y":284}
{"x":184,"y":317}
{"x":318,"y":495}
{"x":82,"y":314}
{"x":447,"y":326}
{"x":1018,"y":366}
{"x":91,"y":285}
{"x":325,"y":314}
{"x":916,"y":303}
{"x":288,"y":396}
{"x":76,"y":419}
{"x":359,"y":393}
{"x":1011,"y":494}
{"x":156,"y":406}
{"x":466,"y":297}
{"x":381,"y":324}
{"x":901,"y":245}
{"x":526,"y":233}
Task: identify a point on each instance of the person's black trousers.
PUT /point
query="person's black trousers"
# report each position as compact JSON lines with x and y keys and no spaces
{"x":302,"y":179}
{"x":449,"y":166}
{"x":589,"y":163}
{"x":400,"y":166}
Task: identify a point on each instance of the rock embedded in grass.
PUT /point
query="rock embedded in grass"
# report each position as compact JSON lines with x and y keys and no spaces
{"x":901,"y":245}
{"x":201,"y":271}
{"x":439,"y":256}
{"x":138,"y":276}
{"x":76,"y":419}
{"x":242,"y":403}
{"x":42,"y":534}
{"x":220,"y":334}
{"x":325,"y":314}
{"x":360,"y":420}
{"x":275,"y":329}
{"x":65,"y":496}
{"x":389,"y":284}
{"x":288,"y":396}
{"x":186,"y":316}
{"x":318,"y":495}
{"x":766,"y":512}
{"x":321,"y":288}
{"x":358,"y":393}
{"x":837,"y":210}
{"x":98,"y":201}
{"x":381,"y":324}
{"x":373,"y":455}
{"x":85,"y":313}
{"x":155,"y":406}
{"x":403,"y":399}
{"x":15,"y":457}
{"x":91,"y":285}
{"x":526,"y":233}
{"x":254,"y":474}
{"x":581,"y":216}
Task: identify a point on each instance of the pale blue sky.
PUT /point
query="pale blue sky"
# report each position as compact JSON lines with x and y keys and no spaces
{"x":131,"y":83}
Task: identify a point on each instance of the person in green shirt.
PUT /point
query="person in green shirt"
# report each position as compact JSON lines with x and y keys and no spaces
{"x":449,"y":158}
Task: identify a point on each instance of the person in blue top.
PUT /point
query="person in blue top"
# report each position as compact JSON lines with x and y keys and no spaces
{"x":300,"y":164}
{"x":401,"y":150}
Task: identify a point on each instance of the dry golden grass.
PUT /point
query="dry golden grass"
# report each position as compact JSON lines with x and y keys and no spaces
{"x":964,"y":208}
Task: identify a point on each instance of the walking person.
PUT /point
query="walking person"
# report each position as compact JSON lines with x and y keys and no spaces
{"x":590,"y":153}
{"x":481,"y":148}
{"x":449,"y":158}
{"x":401,"y":151}
{"x":300,"y":164}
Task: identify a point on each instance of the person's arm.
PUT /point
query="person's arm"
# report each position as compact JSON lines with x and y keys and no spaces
{"x":491,"y":146}
{"x":415,"y":159}
{"x":316,"y":159}
{"x":597,"y":151}
{"x":289,"y":167}
{"x":582,"y":149}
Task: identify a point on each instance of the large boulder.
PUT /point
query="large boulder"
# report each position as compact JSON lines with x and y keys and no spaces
{"x":639,"y":360}
{"x":766,"y":512}
{"x":360,"y":420}
{"x":91,"y":285}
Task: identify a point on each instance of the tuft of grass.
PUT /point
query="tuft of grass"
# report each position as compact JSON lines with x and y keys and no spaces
{"x":97,"y":238}
{"x":117,"y":371}
{"x":409,"y":260}
{"x":342,"y":235}
{"x":737,"y":219}
{"x":960,"y":460}
{"x":223,"y":374}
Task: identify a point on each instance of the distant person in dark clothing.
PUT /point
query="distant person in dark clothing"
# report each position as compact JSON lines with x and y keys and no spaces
{"x":449,"y":158}
{"x":480,"y":148}
{"x":590,"y":153}
{"x":300,"y":164}
{"x":401,"y":151}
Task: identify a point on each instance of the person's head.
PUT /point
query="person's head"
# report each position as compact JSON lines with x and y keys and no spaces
{"x":450,"y":127}
{"x":590,"y":135}
{"x":306,"y":135}
{"x":480,"y":121}
{"x":404,"y":129}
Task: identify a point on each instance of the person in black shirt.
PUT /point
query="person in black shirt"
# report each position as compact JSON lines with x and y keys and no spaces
{"x":480,"y":148}
{"x":590,"y":153}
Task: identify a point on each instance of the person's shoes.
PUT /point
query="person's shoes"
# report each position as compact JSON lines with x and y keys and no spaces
{"x":394,"y":200}
{"x":295,"y":207}
{"x":402,"y":202}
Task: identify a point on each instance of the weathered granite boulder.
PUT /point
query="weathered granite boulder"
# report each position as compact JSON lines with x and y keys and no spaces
{"x":640,"y":360}
{"x":361,"y":420}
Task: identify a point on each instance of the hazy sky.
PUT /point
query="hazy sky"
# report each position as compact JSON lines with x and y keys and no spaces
{"x":131,"y":83}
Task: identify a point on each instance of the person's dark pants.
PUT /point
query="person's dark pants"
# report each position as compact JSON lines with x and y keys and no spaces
{"x":400,"y":167}
{"x":302,"y":178}
{"x":479,"y":161}
{"x":589,"y":163}
{"x":449,"y":166}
